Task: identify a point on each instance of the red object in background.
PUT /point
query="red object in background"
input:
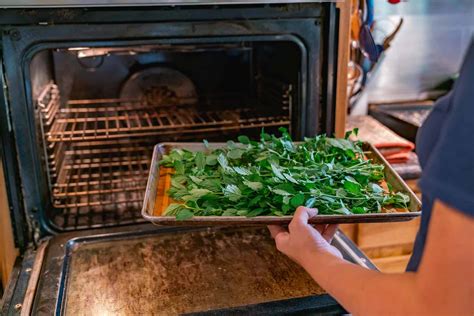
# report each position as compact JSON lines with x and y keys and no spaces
{"x":394,"y":1}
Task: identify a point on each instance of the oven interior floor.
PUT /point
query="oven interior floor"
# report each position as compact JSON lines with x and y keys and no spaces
{"x":182,"y":272}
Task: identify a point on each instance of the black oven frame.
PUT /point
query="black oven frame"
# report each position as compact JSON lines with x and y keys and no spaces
{"x":25,"y":32}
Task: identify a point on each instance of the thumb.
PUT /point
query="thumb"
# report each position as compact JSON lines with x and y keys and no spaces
{"x":281,"y":241}
{"x":302,"y":214}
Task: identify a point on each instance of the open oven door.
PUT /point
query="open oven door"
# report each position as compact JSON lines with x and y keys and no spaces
{"x":145,"y":269}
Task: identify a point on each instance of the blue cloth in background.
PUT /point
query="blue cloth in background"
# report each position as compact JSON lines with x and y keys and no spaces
{"x":445,"y":148}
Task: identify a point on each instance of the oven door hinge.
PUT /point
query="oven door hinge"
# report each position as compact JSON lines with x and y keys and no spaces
{"x":35,"y":230}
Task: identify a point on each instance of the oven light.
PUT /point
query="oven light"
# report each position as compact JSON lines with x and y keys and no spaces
{"x":77,"y":48}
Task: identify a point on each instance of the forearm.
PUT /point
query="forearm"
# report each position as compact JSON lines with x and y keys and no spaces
{"x":362,"y":291}
{"x":442,"y":285}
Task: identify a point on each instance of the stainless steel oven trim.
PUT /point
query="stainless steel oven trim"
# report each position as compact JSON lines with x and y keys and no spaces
{"x":106,"y":3}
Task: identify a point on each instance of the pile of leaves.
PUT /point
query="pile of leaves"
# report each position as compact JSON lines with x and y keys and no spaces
{"x":274,"y":176}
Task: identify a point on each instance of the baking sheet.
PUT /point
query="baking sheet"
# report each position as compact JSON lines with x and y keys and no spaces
{"x":156,"y":199}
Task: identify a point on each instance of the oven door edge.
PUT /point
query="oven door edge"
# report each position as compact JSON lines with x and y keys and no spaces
{"x":20,"y":292}
{"x":8,"y":155}
{"x":351,"y":252}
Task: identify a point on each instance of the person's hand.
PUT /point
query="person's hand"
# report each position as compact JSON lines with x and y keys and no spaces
{"x":303,"y":242}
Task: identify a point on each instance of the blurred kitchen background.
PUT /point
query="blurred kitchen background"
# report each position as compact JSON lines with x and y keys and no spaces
{"x":421,"y":44}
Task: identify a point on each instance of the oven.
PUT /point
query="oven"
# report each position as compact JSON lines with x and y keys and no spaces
{"x":89,"y":91}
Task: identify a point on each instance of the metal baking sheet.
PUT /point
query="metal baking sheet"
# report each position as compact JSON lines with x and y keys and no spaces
{"x":151,"y":197}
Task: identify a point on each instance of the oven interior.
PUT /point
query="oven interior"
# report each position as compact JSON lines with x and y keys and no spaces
{"x":101,"y":109}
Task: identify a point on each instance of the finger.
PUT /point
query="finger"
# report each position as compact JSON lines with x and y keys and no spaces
{"x":276,"y":229}
{"x":281,"y":241}
{"x":328,"y":234}
{"x":301,"y":217}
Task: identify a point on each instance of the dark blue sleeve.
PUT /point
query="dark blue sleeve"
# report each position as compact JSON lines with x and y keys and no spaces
{"x":449,"y":171}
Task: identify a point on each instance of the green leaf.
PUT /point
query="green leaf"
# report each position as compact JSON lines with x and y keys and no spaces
{"x":223,"y":161}
{"x":359,"y":210}
{"x":178,"y":182}
{"x":310,"y":202}
{"x":402,"y":197}
{"x":229,"y":212}
{"x":200,"y":160}
{"x":280,"y":192}
{"x":211,"y":160}
{"x":197,"y":193}
{"x":340,"y":143}
{"x":211,"y":184}
{"x":255,"y":212}
{"x":290,"y":178}
{"x":176,"y":154}
{"x":184,"y":214}
{"x":362,"y":179}
{"x":350,"y":153}
{"x":179,"y":167}
{"x":351,"y":187}
{"x":343,"y":211}
{"x":297,"y":200}
{"x":277,"y":171}
{"x":254,"y":185}
{"x":375,"y":188}
{"x":235,"y":153}
{"x":195,"y":179}
{"x":264,"y":136}
{"x":232,"y":192}
{"x":389,"y":186}
{"x":288,"y":187}
{"x":244,"y":139}
{"x":340,"y":192}
{"x":347,"y":134}
{"x":172,"y":209}
{"x":242,"y":171}
{"x":255,"y":200}
{"x":287,"y":145}
{"x":283,"y":131}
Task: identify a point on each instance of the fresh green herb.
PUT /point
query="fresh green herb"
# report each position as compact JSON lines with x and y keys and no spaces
{"x":276,"y":175}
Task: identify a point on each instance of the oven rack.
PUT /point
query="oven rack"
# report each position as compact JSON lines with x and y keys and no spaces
{"x":114,"y":118}
{"x":71,"y":219}
{"x":101,"y":182}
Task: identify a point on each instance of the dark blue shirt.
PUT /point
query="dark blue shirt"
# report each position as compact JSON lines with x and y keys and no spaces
{"x":445,"y":147}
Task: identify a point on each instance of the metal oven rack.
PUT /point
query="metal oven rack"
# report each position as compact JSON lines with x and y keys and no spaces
{"x":110,"y":119}
{"x":101,"y":184}
{"x":98,"y":151}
